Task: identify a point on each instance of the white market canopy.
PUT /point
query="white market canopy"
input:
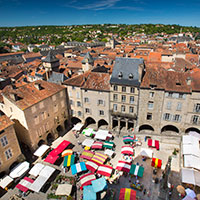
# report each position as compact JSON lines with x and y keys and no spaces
{"x":4,"y":182}
{"x":188,"y":139}
{"x":88,"y":142}
{"x":192,"y":161}
{"x":102,"y":134}
{"x":146,"y":152}
{"x":20,"y":169}
{"x":77,"y":127}
{"x":109,"y":152}
{"x":190,"y":176}
{"x":194,"y":134}
{"x":44,"y":175}
{"x":191,"y":149}
{"x":41,"y":150}
{"x":88,"y":131}
{"x":64,"y":189}
{"x":36,"y":169}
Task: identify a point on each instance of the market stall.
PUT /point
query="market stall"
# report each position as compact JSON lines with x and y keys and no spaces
{"x":69,"y":160}
{"x":99,"y":184}
{"x":97,"y":145}
{"x":78,"y":167}
{"x":64,"y":189}
{"x":127,"y":150}
{"x":88,"y":193}
{"x":88,"y":132}
{"x":156,"y":163}
{"x":123,"y":166}
{"x":136,"y":170}
{"x":99,"y":158}
{"x":128,"y":139}
{"x":86,"y":154}
{"x":43,"y":149}
{"x":109,"y":152}
{"x":92,"y":166}
{"x":24,"y":184}
{"x":148,"y":153}
{"x":108,"y":145}
{"x":51,"y":159}
{"x":87,"y":142}
{"x":67,"y":152}
{"x":36,"y":169}
{"x":102,"y":135}
{"x":127,"y":194}
{"x":5,"y":182}
{"x":153,"y":143}
{"x":105,"y":170}
{"x":86,"y":179}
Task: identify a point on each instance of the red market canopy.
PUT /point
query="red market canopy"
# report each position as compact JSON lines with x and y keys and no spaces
{"x":153,"y":143}
{"x":60,"y":148}
{"x":97,"y":145}
{"x":105,"y":170}
{"x":127,"y":194}
{"x":123,"y":166}
{"x":86,"y":154}
{"x":51,"y":159}
{"x":92,"y":166}
{"x":86,"y":179}
{"x":127,"y":150}
{"x":156,"y":163}
{"x":24,"y":184}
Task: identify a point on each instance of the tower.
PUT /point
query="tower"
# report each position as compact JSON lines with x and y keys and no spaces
{"x":87,"y":62}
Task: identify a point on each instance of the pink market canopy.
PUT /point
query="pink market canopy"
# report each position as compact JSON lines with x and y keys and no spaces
{"x":154,"y":143}
{"x":92,"y":166}
{"x":24,"y":184}
{"x":86,"y":179}
{"x":51,"y":159}
{"x":123,"y":166}
{"x":105,"y":170}
{"x":127,"y":150}
{"x":99,"y":158}
{"x":97,"y":145}
{"x":86,"y":154}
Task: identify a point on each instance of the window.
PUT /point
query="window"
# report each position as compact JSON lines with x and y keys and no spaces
{"x":151,"y":94}
{"x":72,"y":112}
{"x":115,"y":97}
{"x":150,"y":105}
{"x":114,"y":107}
{"x":197,"y":107}
{"x":54,"y":97}
{"x":36,"y":120}
{"x":85,"y":90}
{"x":87,"y":110}
{"x":177,"y":118}
{"x":195,"y":119}
{"x":167,"y":117}
{"x":8,"y":154}
{"x":4,"y":141}
{"x":86,"y":99}
{"x":11,"y":109}
{"x":149,"y":116}
{"x":62,"y":103}
{"x":41,"y":105}
{"x":70,"y":93}
{"x":130,"y":76}
{"x":71,"y":102}
{"x":131,"y":109}
{"x":33,"y":109}
{"x":132,"y":90}
{"x":73,"y":88}
{"x":120,"y":75}
{"x":169,"y":94}
{"x":169,"y":105}
{"x":77,"y":95}
{"x":179,"y":106}
{"x":115,"y":88}
{"x":78,"y":103}
{"x":123,"y":108}
{"x":131,"y":99}
{"x":79,"y":113}
{"x":123,"y":98}
{"x":101,"y":112}
{"x":123,"y":89}
{"x":55,"y":108}
{"x":100,"y":102}
{"x":180,"y":96}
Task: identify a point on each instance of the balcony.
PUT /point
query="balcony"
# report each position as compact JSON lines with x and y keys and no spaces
{"x":120,"y":114}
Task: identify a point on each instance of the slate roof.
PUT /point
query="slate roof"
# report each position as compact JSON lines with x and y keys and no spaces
{"x":57,"y":78}
{"x":50,"y":58}
{"x":87,"y":59}
{"x":126,"y":67}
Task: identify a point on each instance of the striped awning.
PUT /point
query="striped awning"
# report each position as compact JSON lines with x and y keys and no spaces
{"x":92,"y":166}
{"x":127,"y":139}
{"x":105,"y":170}
{"x":127,"y":150}
{"x":99,"y":158}
{"x":108,"y":145}
{"x":69,"y":160}
{"x":137,"y":170}
{"x":86,"y":154}
{"x":123,"y":166}
{"x":127,"y":194}
{"x":78,"y":167}
{"x":156,"y":163}
{"x":86,"y":179}
{"x":97,"y":145}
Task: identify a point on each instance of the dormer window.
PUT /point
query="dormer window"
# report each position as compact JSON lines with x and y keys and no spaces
{"x":120,"y":75}
{"x":130,"y":76}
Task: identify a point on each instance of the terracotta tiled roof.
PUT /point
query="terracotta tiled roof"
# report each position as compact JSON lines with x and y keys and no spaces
{"x":154,"y":57}
{"x":32,"y":55}
{"x":30,"y":95}
{"x":5,"y":122}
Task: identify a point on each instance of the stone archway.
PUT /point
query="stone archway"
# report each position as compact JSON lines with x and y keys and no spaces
{"x":170,"y":128}
{"x":89,"y":121}
{"x":146,"y":127}
{"x":13,"y":165}
{"x":41,"y":142}
{"x":192,"y":129}
{"x":102,"y":122}
{"x":49,"y":139}
{"x":114,"y":122}
{"x":75,"y":120}
{"x":122,"y":123}
{"x":59,"y":129}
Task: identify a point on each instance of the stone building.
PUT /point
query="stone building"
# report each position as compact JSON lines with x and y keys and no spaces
{"x":87,"y":62}
{"x":89,"y":98}
{"x":39,"y":110}
{"x":10,"y":152}
{"x":125,"y":83}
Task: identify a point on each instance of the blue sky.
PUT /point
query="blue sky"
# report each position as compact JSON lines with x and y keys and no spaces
{"x":67,"y":12}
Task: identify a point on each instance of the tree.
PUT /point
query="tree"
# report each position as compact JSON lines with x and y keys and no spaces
{"x":36,"y":49}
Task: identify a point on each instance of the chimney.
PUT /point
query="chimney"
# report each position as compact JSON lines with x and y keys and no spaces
{"x":13,"y":96}
{"x":38,"y":86}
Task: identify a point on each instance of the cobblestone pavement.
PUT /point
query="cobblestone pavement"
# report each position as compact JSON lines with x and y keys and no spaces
{"x":167,"y":145}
